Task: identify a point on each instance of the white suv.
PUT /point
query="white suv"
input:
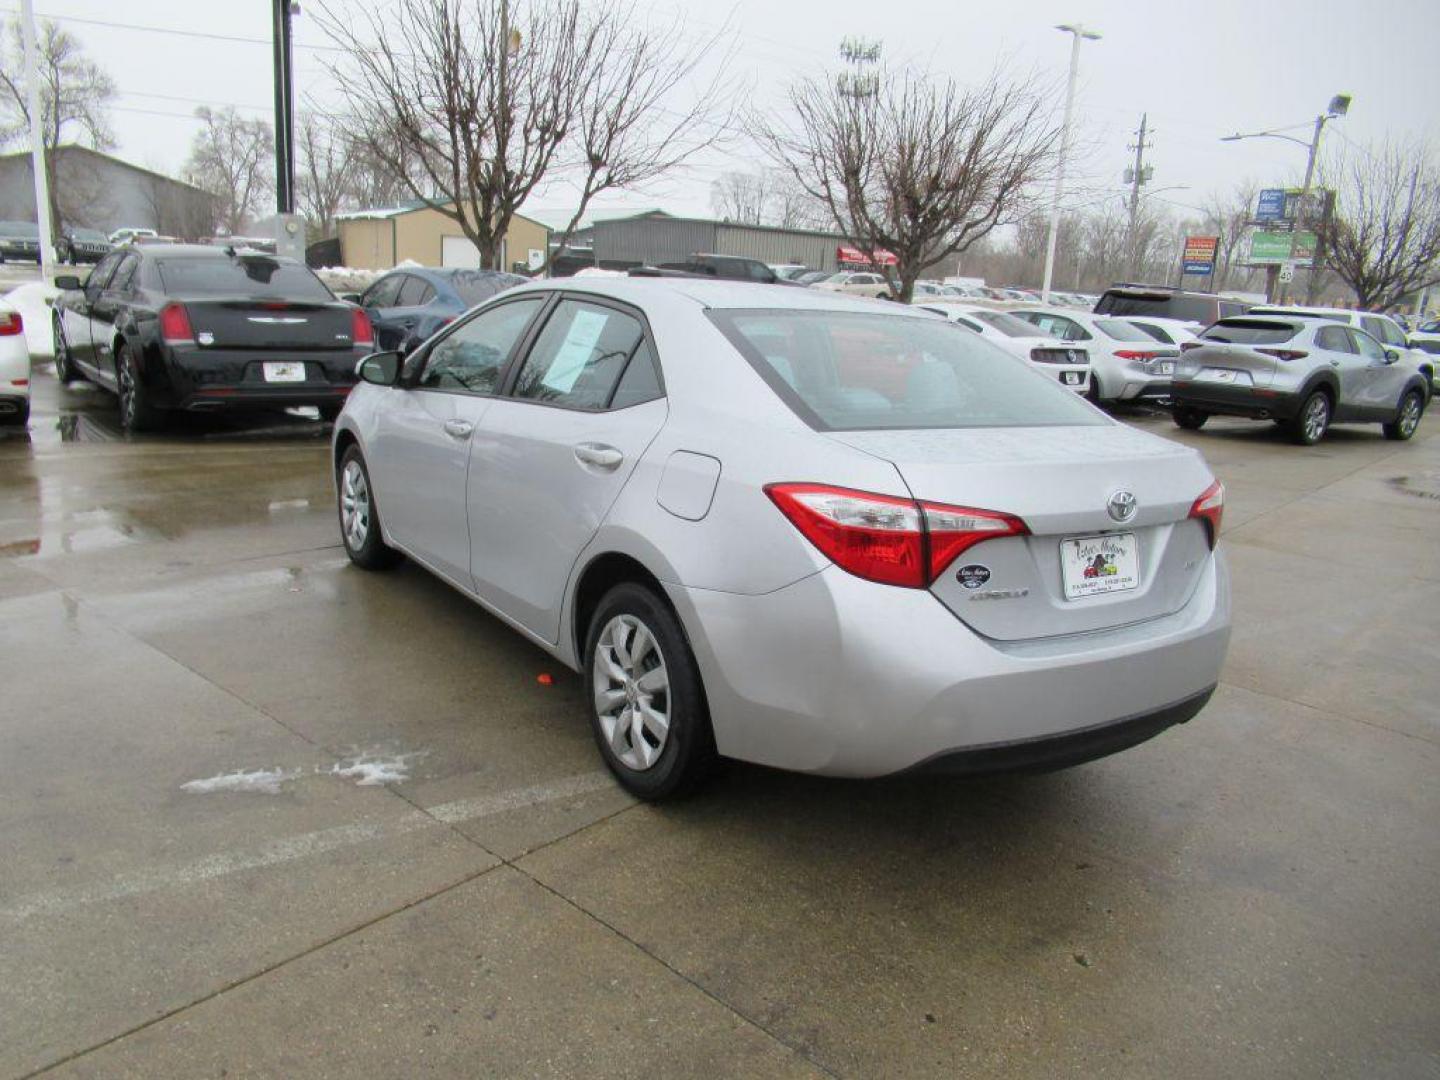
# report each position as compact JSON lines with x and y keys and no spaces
{"x":855,"y":283}
{"x":1382,"y":328}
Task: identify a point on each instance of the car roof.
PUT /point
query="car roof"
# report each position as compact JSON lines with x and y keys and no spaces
{"x":205,"y":251}
{"x":718,"y":293}
{"x":1317,"y":312}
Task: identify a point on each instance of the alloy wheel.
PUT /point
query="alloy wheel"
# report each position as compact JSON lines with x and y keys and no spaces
{"x":632,"y":692}
{"x":354,"y":505}
{"x":1317,"y":417}
{"x":1410,"y":416}
{"x":126,"y":376}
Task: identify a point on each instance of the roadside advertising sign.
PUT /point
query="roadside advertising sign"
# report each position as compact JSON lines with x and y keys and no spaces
{"x":1199,"y":257}
{"x":1271,"y":206}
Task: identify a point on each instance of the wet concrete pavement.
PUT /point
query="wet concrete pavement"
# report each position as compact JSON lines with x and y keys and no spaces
{"x":1252,"y":894}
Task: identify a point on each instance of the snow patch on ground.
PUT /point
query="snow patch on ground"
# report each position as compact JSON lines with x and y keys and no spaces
{"x":32,"y":300}
{"x":259,"y":781}
{"x":371,"y":769}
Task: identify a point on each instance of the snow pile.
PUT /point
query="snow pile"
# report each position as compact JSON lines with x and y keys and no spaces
{"x":372,"y":770}
{"x":32,"y":300}
{"x":260,"y":781}
{"x":343,"y":279}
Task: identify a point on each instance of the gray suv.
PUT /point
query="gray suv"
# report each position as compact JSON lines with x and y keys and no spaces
{"x":1303,"y":373}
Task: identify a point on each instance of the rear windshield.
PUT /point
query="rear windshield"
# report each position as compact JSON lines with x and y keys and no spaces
{"x":474,"y":286}
{"x":1199,"y":309}
{"x":1121,"y":330}
{"x":1249,"y":332}
{"x":1009,"y":325}
{"x":241,"y":276}
{"x":844,"y":371}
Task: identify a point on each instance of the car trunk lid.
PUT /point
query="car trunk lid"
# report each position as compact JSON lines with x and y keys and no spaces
{"x":1059,"y":481}
{"x":251,"y":323}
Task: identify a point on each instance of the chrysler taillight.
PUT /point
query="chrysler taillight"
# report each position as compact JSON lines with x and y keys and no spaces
{"x":175,"y":326}
{"x":361,"y":332}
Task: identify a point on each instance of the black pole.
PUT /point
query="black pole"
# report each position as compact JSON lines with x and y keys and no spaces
{"x":284,"y":112}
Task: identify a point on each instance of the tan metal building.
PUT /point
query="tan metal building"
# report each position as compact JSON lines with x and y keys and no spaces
{"x":383,"y":238}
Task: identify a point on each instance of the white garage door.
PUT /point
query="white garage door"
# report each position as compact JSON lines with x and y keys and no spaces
{"x":459,"y":251}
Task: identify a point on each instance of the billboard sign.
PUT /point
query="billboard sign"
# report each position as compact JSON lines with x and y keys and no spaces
{"x":1273,"y":247}
{"x":1199,"y":257}
{"x":1272,"y":205}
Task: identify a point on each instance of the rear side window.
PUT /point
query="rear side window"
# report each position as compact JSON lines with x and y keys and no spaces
{"x":245,"y":276}
{"x":1006,"y":323}
{"x":579,"y":357}
{"x":1201,"y":309}
{"x":1156,"y":332}
{"x":1056,"y":325}
{"x":641,"y":381}
{"x":852,"y":371}
{"x":1121,"y":330}
{"x":383,"y":293}
{"x":1335,"y":339}
{"x":1249,"y":332}
{"x":415,"y":292}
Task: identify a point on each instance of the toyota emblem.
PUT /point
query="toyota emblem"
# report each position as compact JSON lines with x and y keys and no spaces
{"x":1121,"y":506}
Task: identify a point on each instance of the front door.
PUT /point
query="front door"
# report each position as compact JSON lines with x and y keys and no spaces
{"x":76,"y":323}
{"x":422,"y":441}
{"x":103,"y":311}
{"x":550,"y":458}
{"x":1381,"y":379}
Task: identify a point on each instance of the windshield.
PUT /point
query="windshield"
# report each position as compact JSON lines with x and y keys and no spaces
{"x":858,"y":371}
{"x":475,"y":285}
{"x":1199,"y":309}
{"x":242,"y":276}
{"x":20,"y":228}
{"x":1121,"y":330}
{"x":1007,"y":324}
{"x":1249,"y":332}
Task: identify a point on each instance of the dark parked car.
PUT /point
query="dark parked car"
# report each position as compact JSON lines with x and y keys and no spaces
{"x":1164,"y":302}
{"x":187,"y":326}
{"x":407,"y":306}
{"x":19,"y":240}
{"x":730,"y":267}
{"x":83,"y":246}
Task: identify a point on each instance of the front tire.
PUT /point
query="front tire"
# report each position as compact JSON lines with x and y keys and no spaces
{"x":360,"y":528}
{"x":1407,"y":417}
{"x":647,"y":705}
{"x":137,"y":413}
{"x":64,"y":364}
{"x":1189,"y":418}
{"x":1312,"y":421}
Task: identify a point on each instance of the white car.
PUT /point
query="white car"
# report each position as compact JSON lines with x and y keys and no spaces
{"x":1382,"y":328}
{"x":125,"y":236}
{"x":1065,"y":362}
{"x":1126,"y":363}
{"x":14,"y":368}
{"x":855,"y":283}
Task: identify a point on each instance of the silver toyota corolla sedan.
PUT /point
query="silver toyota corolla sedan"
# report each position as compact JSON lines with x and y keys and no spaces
{"x":793,"y":528}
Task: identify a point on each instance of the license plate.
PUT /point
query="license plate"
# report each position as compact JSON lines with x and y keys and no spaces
{"x":1165,"y":367}
{"x":284,"y":371}
{"x":1070,"y":378}
{"x":1091,"y":565}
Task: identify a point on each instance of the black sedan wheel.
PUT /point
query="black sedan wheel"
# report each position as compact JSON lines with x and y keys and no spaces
{"x":64,"y":365}
{"x":136,"y":411}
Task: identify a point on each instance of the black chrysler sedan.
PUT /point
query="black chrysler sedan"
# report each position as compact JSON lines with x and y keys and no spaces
{"x":190,"y":327}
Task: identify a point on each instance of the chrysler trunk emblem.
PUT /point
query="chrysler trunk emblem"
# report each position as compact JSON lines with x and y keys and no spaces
{"x":1121,"y":506}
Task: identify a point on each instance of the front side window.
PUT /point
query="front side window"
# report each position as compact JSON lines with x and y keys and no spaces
{"x":580,"y":355}
{"x":104,"y":270}
{"x":124,"y":274}
{"x":1058,"y":326}
{"x":383,"y":293}
{"x":847,"y":371}
{"x":416,"y":292}
{"x":471,"y":358}
{"x":1369,"y":348}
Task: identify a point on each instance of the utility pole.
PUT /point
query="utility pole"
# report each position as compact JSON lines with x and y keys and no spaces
{"x":37,"y":140}
{"x":1079,"y":33}
{"x":284,"y":111}
{"x":1138,"y":177}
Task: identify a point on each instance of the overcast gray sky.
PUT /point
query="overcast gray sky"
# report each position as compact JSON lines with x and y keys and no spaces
{"x":1200,"y":70}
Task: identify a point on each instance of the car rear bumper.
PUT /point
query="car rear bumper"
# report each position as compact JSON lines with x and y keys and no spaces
{"x":1235,"y":401}
{"x":845,"y":677}
{"x":208,"y":379}
{"x":1143,"y":387}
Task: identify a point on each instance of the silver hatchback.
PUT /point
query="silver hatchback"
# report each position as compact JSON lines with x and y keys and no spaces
{"x":793,"y":528}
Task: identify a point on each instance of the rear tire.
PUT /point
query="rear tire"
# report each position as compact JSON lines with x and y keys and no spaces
{"x":360,"y":529}
{"x":1189,"y":418}
{"x":136,"y":411}
{"x":647,"y":705}
{"x":1312,"y":421}
{"x":1407,"y":417}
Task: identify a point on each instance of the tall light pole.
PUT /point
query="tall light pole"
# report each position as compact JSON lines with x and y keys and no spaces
{"x":1079,"y":33}
{"x":37,"y":139}
{"x":1338,"y":107}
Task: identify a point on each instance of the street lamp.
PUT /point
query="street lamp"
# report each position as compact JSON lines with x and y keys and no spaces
{"x":1338,"y":107}
{"x":1078,"y":33}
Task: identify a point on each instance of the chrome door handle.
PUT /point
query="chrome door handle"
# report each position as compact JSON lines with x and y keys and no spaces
{"x":598,"y":455}
{"x":1334,"y":363}
{"x":459,"y":429}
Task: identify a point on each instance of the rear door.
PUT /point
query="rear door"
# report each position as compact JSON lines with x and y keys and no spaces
{"x":106,"y":309}
{"x":420,"y":452}
{"x":549,"y":459}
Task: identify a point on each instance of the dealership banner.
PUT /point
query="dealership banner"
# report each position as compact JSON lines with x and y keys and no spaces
{"x":1199,"y":255}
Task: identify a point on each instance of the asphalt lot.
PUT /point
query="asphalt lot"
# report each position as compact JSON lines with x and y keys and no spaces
{"x":1252,"y":894}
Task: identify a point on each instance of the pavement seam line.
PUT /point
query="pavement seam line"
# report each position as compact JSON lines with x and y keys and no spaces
{"x":1340,"y":717}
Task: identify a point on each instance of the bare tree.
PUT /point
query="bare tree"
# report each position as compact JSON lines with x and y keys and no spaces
{"x":178,"y":209}
{"x":325,"y":167}
{"x":75,"y":94}
{"x":917,"y":167}
{"x":741,"y":197}
{"x":232,"y":158}
{"x":1384,"y":241}
{"x":487,"y":99}
{"x":1228,"y":217}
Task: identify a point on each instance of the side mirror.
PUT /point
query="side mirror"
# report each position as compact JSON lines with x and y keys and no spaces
{"x":67,"y":282}
{"x":350,"y":297}
{"x":1391,"y":355}
{"x":381,"y":368}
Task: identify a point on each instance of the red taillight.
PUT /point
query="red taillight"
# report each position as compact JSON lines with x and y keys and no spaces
{"x":1285,"y":354}
{"x":361,"y":332}
{"x":11,"y":323}
{"x":1209,"y":508}
{"x":883,"y":538}
{"x":175,"y":325}
{"x":1135,"y":354}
